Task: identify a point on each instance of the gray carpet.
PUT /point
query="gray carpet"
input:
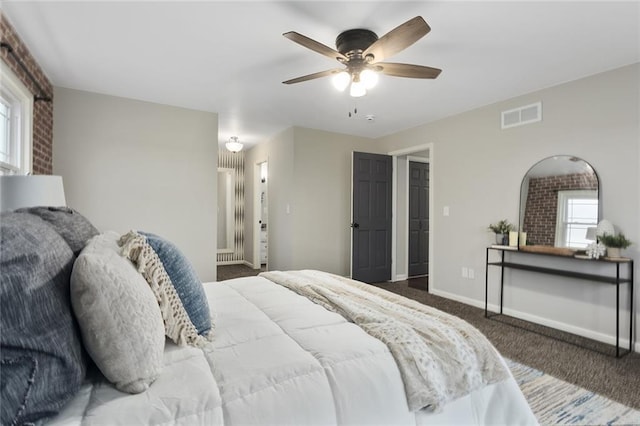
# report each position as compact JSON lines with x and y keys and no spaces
{"x":226,"y":272}
{"x":558,"y":354}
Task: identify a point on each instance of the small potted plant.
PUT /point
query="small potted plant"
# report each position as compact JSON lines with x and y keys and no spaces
{"x":501,"y":229}
{"x":614,"y":243}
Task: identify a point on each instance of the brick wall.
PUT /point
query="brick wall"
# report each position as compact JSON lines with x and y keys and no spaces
{"x":42,"y":111}
{"x":542,"y":204}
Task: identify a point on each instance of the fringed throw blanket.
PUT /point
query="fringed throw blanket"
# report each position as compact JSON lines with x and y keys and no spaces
{"x":440,"y":357}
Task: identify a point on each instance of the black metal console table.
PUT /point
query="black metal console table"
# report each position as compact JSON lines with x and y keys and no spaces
{"x":616,"y":280}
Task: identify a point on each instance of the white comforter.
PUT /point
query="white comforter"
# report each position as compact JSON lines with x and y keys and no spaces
{"x":278,"y":358}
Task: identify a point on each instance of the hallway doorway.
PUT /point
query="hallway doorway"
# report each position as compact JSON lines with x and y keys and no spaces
{"x":413,"y":258}
{"x":418,"y":184}
{"x":261,"y":216}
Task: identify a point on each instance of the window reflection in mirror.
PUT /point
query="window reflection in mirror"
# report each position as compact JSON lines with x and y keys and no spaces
{"x":559,"y":202}
{"x":577,"y":212}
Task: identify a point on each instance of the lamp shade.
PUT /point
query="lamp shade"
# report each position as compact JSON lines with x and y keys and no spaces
{"x":31,"y":191}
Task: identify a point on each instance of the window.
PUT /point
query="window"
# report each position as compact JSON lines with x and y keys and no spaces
{"x":577,"y":211}
{"x":16,"y":116}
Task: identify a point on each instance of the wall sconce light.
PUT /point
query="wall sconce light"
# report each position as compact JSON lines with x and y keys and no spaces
{"x":234,"y":144}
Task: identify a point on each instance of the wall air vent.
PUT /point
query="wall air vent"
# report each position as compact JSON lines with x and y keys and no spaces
{"x":522,"y":115}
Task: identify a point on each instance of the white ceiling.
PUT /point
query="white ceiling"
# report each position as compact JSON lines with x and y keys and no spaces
{"x":231,"y":57}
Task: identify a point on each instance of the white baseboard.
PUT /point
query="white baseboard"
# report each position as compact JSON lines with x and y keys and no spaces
{"x":233,"y":262}
{"x":251,"y":265}
{"x":456,"y":297}
{"x":569,"y":328}
{"x":399,"y":277}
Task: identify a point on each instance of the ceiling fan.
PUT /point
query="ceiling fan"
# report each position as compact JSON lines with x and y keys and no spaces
{"x":362,"y":52}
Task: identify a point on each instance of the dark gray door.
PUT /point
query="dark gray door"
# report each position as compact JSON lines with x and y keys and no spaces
{"x":371,"y":224}
{"x":418,"y":218}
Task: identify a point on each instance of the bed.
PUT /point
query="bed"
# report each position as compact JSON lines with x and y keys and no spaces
{"x":274,"y":355}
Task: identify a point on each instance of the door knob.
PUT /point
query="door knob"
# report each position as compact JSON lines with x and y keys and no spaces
{"x":355,"y":225}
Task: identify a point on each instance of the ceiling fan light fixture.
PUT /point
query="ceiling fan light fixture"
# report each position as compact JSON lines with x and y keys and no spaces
{"x":357,"y":89}
{"x":341,"y":80}
{"x":369,"y":78}
{"x":234,"y":144}
{"x":363,"y":54}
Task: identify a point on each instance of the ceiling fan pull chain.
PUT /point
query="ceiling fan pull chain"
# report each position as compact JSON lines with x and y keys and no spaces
{"x":355,"y":111}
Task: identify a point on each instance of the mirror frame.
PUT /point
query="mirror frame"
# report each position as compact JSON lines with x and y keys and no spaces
{"x":522,"y":207}
{"x":230,"y":203}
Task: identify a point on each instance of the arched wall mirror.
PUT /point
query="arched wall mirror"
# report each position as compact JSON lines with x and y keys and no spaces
{"x":560,"y":203}
{"x":226,"y":208}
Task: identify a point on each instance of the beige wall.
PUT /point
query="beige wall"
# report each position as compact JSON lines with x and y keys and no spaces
{"x":129,"y":164}
{"x":310,"y":172}
{"x":278,"y":151}
{"x":478,"y":170}
{"x":322,"y":170}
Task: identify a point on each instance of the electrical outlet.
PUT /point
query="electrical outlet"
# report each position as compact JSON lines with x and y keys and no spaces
{"x":465,"y":272}
{"x":472,"y":274}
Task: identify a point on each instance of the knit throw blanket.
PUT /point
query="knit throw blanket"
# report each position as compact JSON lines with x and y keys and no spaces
{"x":440,"y":357}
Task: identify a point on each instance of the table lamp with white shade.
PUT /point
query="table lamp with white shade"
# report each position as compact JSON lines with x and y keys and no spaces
{"x":31,"y":191}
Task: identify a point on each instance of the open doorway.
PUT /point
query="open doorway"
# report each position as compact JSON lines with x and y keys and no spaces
{"x":418,"y":222}
{"x":418,"y":254}
{"x":412,"y":250}
{"x":264,"y":216}
{"x":261,"y":216}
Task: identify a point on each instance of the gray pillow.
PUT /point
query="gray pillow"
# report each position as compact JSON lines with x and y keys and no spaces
{"x":68,"y":223}
{"x":42,"y":363}
{"x":121,"y":323}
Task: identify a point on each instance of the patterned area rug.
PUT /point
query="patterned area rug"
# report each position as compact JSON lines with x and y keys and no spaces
{"x":555,"y":402}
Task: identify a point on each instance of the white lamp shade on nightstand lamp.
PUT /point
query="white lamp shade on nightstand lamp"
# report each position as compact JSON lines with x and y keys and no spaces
{"x":31,"y":191}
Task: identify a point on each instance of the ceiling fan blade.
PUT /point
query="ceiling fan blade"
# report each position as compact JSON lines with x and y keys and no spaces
{"x":407,"y":70}
{"x":315,"y":46}
{"x":312,"y":76}
{"x":397,"y":39}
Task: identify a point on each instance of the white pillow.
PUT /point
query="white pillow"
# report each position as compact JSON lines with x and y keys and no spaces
{"x":119,"y":317}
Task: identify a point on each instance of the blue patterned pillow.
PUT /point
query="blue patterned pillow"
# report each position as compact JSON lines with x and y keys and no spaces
{"x":185,"y":280}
